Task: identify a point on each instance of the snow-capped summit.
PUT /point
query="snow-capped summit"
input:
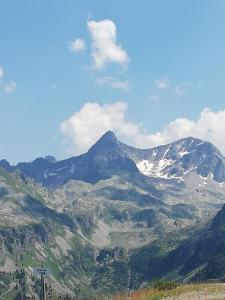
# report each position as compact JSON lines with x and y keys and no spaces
{"x":184,"y":156}
{"x":108,"y":156}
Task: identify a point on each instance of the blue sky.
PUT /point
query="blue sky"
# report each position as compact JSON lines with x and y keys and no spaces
{"x":165,"y":63}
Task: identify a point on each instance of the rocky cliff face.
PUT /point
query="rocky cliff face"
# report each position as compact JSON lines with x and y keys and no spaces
{"x":110,"y":157}
{"x":33,"y":233}
{"x":200,"y":257}
{"x":111,"y":211}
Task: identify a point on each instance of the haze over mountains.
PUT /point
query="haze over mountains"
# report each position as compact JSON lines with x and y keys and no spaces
{"x":112,"y":212}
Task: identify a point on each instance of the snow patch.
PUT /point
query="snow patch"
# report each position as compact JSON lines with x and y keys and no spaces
{"x":59,"y":169}
{"x":180,"y":145}
{"x":154,"y":153}
{"x":164,"y":155}
{"x":49,"y":174}
{"x":154,"y":168}
{"x":72,"y":168}
{"x":182,"y":153}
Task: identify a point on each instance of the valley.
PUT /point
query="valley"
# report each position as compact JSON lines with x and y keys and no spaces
{"x":113,"y":219}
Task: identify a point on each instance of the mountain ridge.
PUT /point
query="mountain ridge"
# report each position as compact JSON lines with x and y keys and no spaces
{"x":108,"y":156}
{"x":99,"y":210}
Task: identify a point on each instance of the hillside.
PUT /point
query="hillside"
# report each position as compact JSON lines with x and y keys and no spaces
{"x":114,"y":218}
{"x":200,"y":257}
{"x":213,"y":291}
{"x":33,"y":234}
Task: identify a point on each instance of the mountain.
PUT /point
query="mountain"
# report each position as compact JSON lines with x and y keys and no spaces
{"x":108,"y":156}
{"x":32,"y":234}
{"x":188,"y":174}
{"x":199,"y":257}
{"x":178,"y":159}
{"x":112,"y":214}
{"x":102,"y":161}
{"x":127,"y":196}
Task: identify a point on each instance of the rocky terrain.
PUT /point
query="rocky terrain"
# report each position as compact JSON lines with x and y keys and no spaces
{"x":106,"y":219}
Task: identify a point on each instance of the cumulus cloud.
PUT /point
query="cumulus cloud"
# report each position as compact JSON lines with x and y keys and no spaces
{"x":209,"y":126}
{"x":113,"y":83}
{"x":162,"y":83}
{"x":105,"y":49}
{"x":88,"y":124}
{"x":1,"y":73}
{"x":9,"y":87}
{"x":78,"y":45}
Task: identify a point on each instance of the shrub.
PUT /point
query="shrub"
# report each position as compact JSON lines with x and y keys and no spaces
{"x":164,"y":285}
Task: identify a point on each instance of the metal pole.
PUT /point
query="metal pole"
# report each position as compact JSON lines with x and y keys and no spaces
{"x":43,"y":287}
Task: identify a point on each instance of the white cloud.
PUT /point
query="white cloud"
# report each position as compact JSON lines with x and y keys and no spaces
{"x":209,"y":126}
{"x":78,"y":45}
{"x":1,"y":73}
{"x":162,"y":83}
{"x":113,"y":83}
{"x":10,"y":87}
{"x":105,"y":49}
{"x":153,"y":98}
{"x":88,"y":124}
{"x":183,"y":89}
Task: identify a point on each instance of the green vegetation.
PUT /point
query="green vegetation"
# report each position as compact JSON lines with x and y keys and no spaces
{"x":62,"y":240}
{"x":164,"y":285}
{"x":189,"y":291}
{"x":112,"y":271}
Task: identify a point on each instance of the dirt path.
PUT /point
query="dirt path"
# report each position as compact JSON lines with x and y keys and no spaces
{"x":199,"y":296}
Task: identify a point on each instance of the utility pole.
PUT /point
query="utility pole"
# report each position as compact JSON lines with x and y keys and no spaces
{"x":129,"y":272}
{"x":43,"y":296}
{"x":41,"y":271}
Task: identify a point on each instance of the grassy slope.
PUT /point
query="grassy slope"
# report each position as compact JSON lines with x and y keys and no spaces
{"x":77,"y":265}
{"x":144,"y":261}
{"x":191,"y":292}
{"x":151,"y":261}
{"x":200,"y":257}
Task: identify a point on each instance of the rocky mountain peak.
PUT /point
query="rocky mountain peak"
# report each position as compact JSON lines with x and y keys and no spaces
{"x":50,"y":158}
{"x":5,"y":165}
{"x":106,"y":143}
{"x":109,"y":156}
